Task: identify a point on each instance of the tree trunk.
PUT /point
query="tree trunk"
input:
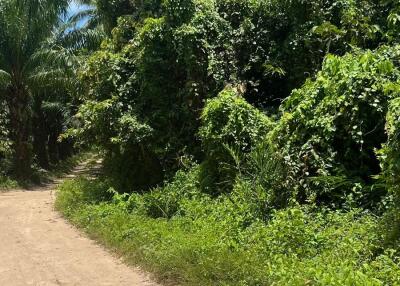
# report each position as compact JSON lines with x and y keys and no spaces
{"x":20,"y":119}
{"x":53,"y":147}
{"x":40,"y":135}
{"x":66,"y":149}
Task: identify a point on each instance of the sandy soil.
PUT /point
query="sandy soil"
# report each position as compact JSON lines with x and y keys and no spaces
{"x":38,"y":247}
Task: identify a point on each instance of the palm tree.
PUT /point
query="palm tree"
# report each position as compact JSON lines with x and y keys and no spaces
{"x":104,"y":13}
{"x":26,"y":26}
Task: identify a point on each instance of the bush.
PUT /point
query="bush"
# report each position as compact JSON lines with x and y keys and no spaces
{"x":167,"y":201}
{"x":164,"y":61}
{"x":74,"y":194}
{"x":230,"y":129}
{"x":331,"y":128}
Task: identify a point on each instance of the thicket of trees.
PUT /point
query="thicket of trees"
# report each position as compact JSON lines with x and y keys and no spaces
{"x":148,"y":90}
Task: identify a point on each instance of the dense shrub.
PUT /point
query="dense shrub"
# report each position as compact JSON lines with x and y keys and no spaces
{"x":75,"y":194}
{"x":169,"y":201}
{"x":155,"y":80}
{"x":279,"y":43}
{"x":230,"y":127}
{"x":331,"y":128}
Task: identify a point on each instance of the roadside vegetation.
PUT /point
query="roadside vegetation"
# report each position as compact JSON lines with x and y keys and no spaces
{"x":244,"y":142}
{"x":224,"y":241}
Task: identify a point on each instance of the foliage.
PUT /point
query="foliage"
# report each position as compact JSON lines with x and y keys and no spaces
{"x":332,"y":127}
{"x":166,"y":103}
{"x":38,"y":56}
{"x":393,"y":20}
{"x":216,"y":171}
{"x":229,"y":120}
{"x":168,"y":201}
{"x":7,"y":183}
{"x":278,"y":43}
{"x":230,"y":127}
{"x":81,"y":191}
{"x":389,"y":156}
{"x":109,"y":119}
{"x":297,"y":245}
{"x":163,"y":61}
{"x":105,"y":14}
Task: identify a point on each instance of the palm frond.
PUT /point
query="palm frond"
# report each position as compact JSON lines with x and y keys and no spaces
{"x":56,"y":79}
{"x":5,"y":77}
{"x":83,"y":15}
{"x":89,"y":39}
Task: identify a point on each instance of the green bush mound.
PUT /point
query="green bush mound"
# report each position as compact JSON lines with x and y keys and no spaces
{"x":229,"y":126}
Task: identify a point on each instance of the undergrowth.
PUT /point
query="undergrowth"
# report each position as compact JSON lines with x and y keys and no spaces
{"x":41,"y":176}
{"x":193,"y":239}
{"x":7,"y":183}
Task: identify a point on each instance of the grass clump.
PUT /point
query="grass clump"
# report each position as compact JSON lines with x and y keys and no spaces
{"x":7,"y":183}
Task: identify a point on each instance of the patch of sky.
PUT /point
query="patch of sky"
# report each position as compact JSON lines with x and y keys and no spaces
{"x":74,"y":9}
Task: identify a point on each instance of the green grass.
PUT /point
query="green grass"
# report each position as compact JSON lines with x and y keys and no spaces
{"x":7,"y":183}
{"x":66,"y":166}
{"x":210,"y":242}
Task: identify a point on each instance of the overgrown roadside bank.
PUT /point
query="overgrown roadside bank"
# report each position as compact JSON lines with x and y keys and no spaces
{"x":199,"y":241}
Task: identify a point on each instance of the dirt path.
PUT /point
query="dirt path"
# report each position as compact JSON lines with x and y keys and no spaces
{"x":37,"y":247}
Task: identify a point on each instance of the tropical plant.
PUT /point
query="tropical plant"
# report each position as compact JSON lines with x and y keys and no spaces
{"x":26,"y":25}
{"x":38,"y":57}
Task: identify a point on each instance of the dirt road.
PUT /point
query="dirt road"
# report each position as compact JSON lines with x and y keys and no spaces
{"x":37,"y":247}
